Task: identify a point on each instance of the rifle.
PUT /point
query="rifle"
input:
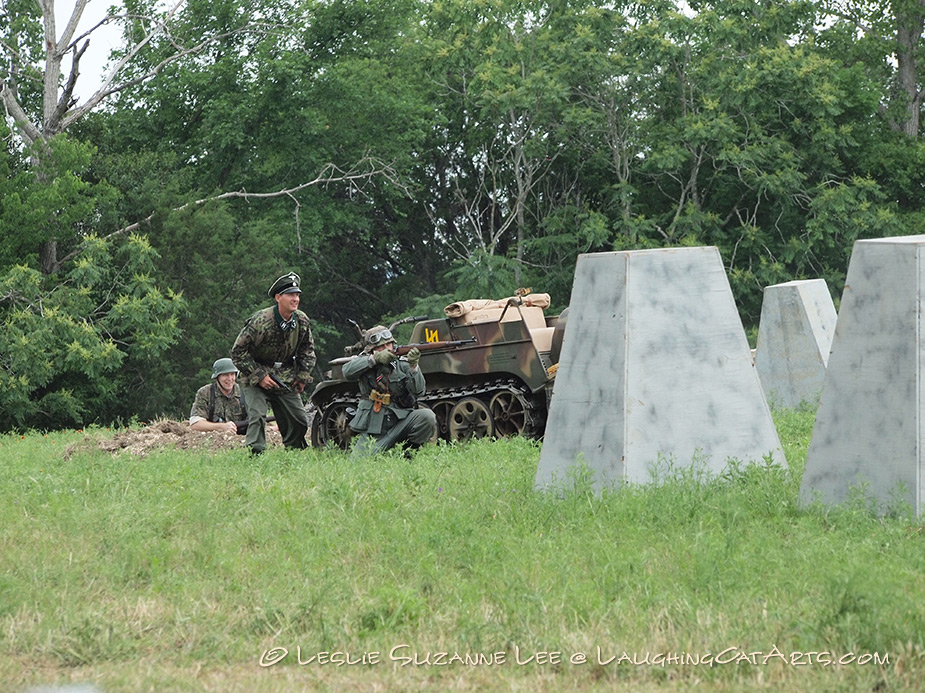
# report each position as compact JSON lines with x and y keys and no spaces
{"x":242,"y":424}
{"x":430,"y":346}
{"x":357,"y":348}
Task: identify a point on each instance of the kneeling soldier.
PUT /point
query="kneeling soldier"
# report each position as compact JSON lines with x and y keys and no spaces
{"x":389,"y":388}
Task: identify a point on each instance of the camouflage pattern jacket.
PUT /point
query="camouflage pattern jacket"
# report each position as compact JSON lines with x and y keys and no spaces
{"x":263,"y":343}
{"x":214,"y":405}
{"x":396,"y":379}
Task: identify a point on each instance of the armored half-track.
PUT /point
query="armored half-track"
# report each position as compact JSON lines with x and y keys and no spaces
{"x":496,"y":381}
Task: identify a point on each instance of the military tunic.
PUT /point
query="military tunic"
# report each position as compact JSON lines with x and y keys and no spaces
{"x":269,"y":345}
{"x":398,"y":420}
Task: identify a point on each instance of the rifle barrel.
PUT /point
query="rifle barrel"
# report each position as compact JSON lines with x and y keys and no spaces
{"x":430,"y":346}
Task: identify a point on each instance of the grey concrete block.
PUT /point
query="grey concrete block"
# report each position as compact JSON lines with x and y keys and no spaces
{"x":869,"y":424}
{"x":654,"y":365}
{"x":794,"y":338}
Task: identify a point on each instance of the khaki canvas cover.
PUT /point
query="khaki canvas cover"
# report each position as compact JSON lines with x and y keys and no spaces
{"x":461,"y":308}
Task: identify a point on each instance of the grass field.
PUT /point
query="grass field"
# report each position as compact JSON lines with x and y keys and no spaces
{"x":198,"y":571}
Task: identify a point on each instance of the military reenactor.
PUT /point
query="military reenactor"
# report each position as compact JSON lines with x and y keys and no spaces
{"x":389,"y":388}
{"x":219,"y":406}
{"x":275,"y":355}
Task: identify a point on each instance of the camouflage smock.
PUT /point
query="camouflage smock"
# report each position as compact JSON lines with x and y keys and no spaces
{"x":217,"y":407}
{"x":262,"y":343}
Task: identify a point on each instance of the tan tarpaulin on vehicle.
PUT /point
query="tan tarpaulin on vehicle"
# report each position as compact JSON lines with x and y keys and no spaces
{"x":461,"y":308}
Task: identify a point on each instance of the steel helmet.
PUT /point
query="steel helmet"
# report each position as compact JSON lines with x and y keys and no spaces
{"x":222,"y":366}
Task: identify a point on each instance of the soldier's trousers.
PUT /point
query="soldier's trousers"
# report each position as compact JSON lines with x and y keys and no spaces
{"x":290,"y":415}
{"x":417,"y":428}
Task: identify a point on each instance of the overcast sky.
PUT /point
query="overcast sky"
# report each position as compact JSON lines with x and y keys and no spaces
{"x":102,"y":41}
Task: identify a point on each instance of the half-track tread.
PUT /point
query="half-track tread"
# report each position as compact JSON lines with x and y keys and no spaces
{"x":529,"y":422}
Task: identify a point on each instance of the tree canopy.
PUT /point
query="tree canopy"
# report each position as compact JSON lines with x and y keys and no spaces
{"x":400,"y":153}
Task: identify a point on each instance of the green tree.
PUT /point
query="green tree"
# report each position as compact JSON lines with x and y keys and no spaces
{"x":886,"y":40}
{"x":501,"y":72}
{"x":75,"y":307}
{"x":212,"y":137}
{"x":275,"y":151}
{"x":85,"y":347}
{"x":748,"y":123}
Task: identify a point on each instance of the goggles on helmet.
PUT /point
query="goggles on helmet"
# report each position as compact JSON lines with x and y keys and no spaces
{"x":380,"y":337}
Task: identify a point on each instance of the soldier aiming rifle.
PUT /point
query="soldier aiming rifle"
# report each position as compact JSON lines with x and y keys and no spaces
{"x":389,"y":388}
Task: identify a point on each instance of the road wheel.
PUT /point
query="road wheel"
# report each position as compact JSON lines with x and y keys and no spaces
{"x":442,"y":409}
{"x":470,"y":418}
{"x":330,"y":425}
{"x":509,"y":414}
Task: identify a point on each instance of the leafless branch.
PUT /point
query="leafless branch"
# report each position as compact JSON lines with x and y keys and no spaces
{"x":66,"y":100}
{"x":109,"y":18}
{"x":106,"y":89}
{"x":71,"y":27}
{"x":16,"y":112}
{"x":364,"y":170}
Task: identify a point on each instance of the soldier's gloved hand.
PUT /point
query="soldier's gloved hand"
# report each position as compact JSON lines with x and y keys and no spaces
{"x":384,"y":356}
{"x":414,"y":355}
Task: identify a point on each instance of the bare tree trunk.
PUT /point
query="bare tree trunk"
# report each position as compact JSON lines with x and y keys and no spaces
{"x":48,"y":250}
{"x":908,"y":35}
{"x":60,"y":109}
{"x":48,"y":257}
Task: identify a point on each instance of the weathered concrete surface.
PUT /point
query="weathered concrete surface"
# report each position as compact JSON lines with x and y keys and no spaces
{"x":654,"y":364}
{"x":794,"y":339}
{"x":869,"y":425}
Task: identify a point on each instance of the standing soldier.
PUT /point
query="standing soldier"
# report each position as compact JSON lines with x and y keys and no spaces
{"x":275,"y":355}
{"x":389,"y":388}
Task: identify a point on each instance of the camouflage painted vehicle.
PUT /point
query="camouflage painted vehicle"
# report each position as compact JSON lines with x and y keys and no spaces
{"x":497,"y":382}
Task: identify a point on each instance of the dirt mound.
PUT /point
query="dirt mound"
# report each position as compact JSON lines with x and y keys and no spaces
{"x":165,"y":434}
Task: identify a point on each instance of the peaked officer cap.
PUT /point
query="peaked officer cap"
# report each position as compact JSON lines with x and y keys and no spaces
{"x":287,"y":284}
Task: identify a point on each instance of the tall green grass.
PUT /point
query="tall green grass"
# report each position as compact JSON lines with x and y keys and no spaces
{"x":195,"y":571}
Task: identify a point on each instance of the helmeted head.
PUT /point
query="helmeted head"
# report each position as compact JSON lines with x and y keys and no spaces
{"x":287,"y":284}
{"x":375,"y":337}
{"x":221,"y":367}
